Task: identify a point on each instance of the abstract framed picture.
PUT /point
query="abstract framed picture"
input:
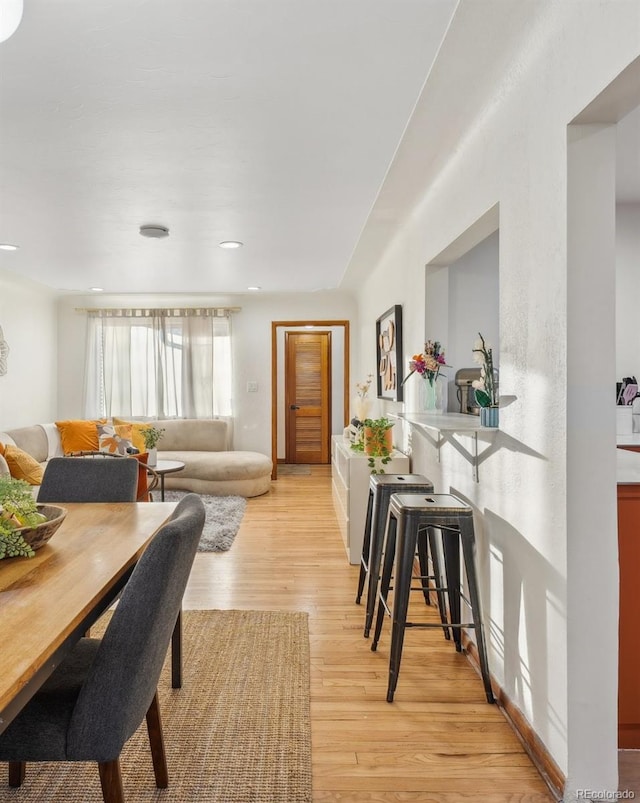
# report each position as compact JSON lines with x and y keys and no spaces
{"x":389,"y":354}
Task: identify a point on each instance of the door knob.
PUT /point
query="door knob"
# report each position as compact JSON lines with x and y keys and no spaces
{"x":294,"y":407}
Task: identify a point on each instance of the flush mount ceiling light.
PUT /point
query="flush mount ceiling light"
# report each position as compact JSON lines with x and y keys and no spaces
{"x":97,"y":289}
{"x":254,"y":287}
{"x":8,"y":247}
{"x":153,"y":230}
{"x":10,"y":18}
{"x":230,"y":244}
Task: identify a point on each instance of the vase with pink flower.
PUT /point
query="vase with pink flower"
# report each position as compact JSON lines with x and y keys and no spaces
{"x":427,"y":365}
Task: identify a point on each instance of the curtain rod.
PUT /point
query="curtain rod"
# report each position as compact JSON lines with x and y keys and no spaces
{"x":145,"y":311}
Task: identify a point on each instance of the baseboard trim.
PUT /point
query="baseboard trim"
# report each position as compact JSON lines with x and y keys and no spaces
{"x":535,"y":748}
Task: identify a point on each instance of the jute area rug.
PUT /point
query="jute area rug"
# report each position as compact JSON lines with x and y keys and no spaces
{"x":223,"y":518}
{"x":237,"y":732}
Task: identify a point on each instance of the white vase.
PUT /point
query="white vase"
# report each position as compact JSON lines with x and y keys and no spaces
{"x":152,"y":459}
{"x":361,"y":408}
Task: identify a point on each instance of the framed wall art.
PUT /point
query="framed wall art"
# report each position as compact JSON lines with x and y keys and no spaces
{"x":389,"y":353}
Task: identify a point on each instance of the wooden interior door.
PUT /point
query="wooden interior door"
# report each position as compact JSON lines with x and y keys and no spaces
{"x":307,"y":396}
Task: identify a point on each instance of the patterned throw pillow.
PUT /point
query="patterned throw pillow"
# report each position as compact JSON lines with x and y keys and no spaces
{"x":137,"y":427}
{"x":114,"y":439}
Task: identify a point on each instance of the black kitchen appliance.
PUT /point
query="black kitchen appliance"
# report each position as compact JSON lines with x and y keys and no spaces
{"x":464,"y":391}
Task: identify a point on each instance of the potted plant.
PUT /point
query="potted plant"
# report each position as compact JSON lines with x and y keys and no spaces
{"x":17,"y":509}
{"x":486,"y":388}
{"x":377,"y":442}
{"x":151,"y":435}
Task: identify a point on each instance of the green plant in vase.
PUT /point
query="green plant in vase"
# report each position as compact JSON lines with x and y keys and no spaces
{"x":486,"y":388}
{"x":151,"y":435}
{"x":377,"y":443}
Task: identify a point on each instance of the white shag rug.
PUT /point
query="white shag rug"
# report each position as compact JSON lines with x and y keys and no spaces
{"x":223,"y":517}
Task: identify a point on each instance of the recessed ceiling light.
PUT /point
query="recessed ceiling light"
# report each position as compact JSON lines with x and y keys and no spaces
{"x":10,"y":18}
{"x":255,"y":287}
{"x":152,"y":230}
{"x":97,"y":289}
{"x":8,"y":247}
{"x":231,"y":244}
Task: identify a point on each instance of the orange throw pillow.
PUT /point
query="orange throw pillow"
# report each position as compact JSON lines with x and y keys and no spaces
{"x":79,"y":435}
{"x":21,"y":465}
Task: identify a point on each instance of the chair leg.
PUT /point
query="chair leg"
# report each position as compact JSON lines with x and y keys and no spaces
{"x":405,"y":549}
{"x":366,"y":546}
{"x":176,"y":653}
{"x":468,"y":551}
{"x":423,"y":560}
{"x":17,"y":770}
{"x":385,"y":580}
{"x":156,"y":742}
{"x":451,"y":549}
{"x":442,"y":605}
{"x":375,"y":560}
{"x":111,"y":781}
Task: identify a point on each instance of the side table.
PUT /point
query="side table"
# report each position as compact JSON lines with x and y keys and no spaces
{"x":164,"y":467}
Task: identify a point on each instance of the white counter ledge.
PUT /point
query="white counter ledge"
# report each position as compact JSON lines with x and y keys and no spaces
{"x":441,"y":428}
{"x":627,"y":467}
{"x":445,"y":422}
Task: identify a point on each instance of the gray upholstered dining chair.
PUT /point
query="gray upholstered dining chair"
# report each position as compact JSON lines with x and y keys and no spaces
{"x":83,"y":479}
{"x":95,"y":700}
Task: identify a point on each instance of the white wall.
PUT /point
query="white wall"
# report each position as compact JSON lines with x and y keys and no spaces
{"x":462,"y":300}
{"x":627,"y":355}
{"x":475,"y":144}
{"x":251,"y":347}
{"x":28,"y":391}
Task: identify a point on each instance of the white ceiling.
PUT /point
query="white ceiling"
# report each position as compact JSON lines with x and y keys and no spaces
{"x":273,"y":123}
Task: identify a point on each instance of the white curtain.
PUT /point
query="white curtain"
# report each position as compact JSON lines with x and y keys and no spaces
{"x":158,"y":363}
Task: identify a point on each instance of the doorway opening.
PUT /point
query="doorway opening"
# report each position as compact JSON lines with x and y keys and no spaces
{"x":293,"y":431}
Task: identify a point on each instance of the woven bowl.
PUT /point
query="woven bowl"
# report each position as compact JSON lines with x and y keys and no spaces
{"x":39,"y":535}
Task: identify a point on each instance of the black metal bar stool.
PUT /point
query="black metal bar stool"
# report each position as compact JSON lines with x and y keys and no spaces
{"x":381,"y":486}
{"x":410,"y":516}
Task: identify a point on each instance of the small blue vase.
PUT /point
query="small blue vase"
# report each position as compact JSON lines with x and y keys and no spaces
{"x":489,"y":416}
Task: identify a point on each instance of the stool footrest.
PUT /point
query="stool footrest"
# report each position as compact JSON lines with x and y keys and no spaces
{"x":439,"y":624}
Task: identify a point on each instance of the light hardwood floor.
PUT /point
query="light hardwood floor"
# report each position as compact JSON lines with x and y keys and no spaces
{"x":439,"y":741}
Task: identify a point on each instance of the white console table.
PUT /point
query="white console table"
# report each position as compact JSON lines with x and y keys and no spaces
{"x":350,"y":474}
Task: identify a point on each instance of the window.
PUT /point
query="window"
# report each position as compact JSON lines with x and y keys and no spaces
{"x":158,"y":363}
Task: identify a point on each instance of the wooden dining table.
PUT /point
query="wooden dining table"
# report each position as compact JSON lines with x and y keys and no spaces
{"x":49,"y":601}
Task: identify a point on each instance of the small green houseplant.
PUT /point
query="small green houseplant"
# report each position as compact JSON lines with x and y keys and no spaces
{"x":377,"y":443}
{"x":17,"y":509}
{"x":151,"y":435}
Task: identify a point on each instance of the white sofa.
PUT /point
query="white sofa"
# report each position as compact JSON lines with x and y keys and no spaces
{"x":201,"y":444}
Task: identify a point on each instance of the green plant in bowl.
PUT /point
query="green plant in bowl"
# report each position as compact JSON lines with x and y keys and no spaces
{"x":18,"y":509}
